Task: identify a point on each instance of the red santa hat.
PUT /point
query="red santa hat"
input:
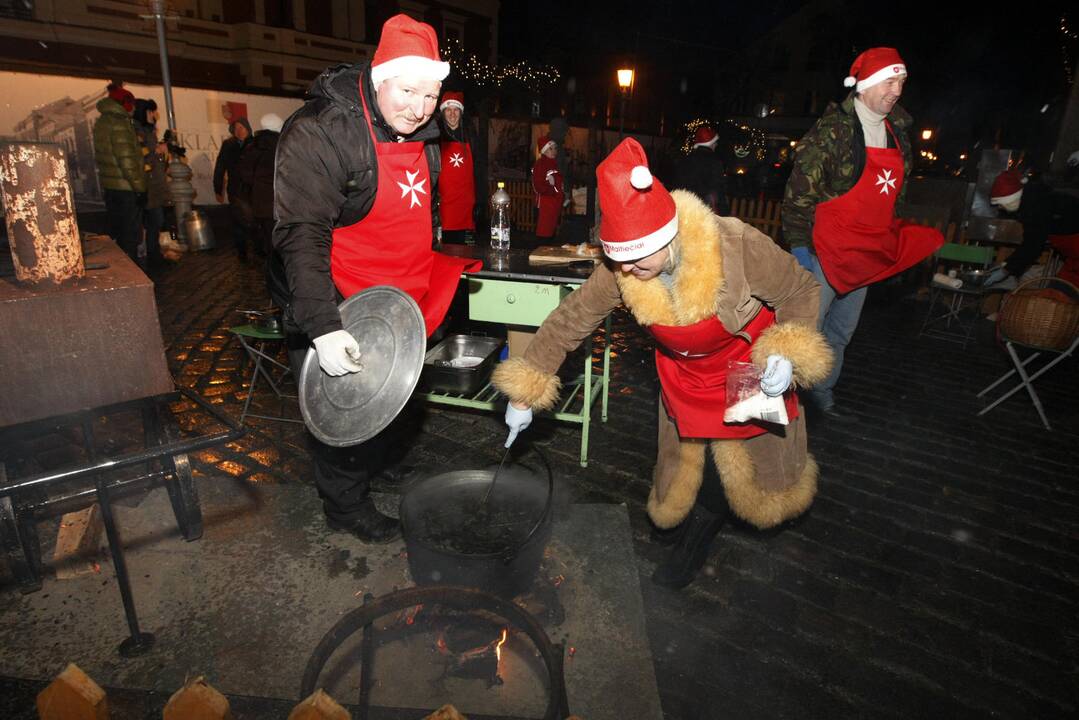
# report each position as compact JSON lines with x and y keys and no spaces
{"x":122,"y":96}
{"x":543,"y":142}
{"x":639,"y":217}
{"x":1007,"y":187}
{"x":407,"y":47}
{"x":873,"y":66}
{"x":453,"y":100}
{"x":705,"y":137}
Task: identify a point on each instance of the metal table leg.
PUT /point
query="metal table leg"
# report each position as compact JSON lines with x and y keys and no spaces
{"x":179,"y":483}
{"x":18,"y":536}
{"x":139,"y":642}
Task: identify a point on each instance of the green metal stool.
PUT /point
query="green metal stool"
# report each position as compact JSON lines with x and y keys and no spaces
{"x":254,"y":341}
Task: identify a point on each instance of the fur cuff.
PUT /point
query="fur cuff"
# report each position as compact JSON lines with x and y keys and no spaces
{"x":522,"y":383}
{"x":759,"y":507}
{"x":682,"y":490}
{"x":805,"y":347}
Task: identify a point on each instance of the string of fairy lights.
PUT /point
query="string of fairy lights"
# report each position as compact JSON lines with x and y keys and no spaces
{"x":1067,"y":36}
{"x":471,"y":68}
{"x":753,"y":146}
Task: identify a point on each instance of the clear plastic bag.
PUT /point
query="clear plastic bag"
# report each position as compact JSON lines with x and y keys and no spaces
{"x":745,"y":399}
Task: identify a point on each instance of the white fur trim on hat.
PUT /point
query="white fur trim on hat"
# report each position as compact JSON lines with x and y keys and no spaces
{"x":640,"y":177}
{"x":641,"y":247}
{"x":413,"y":65}
{"x":879,"y":76}
{"x":549,"y":143}
{"x":710,"y":144}
{"x":1006,"y":199}
{"x":452,"y":103}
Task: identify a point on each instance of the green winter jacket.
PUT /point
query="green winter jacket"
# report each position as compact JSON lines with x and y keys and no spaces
{"x":828,"y":162}
{"x":116,"y":149}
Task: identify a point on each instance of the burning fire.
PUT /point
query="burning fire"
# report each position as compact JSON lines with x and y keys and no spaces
{"x":498,"y":647}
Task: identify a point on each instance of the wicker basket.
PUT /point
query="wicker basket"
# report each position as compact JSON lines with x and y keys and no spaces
{"x":1041,"y":313}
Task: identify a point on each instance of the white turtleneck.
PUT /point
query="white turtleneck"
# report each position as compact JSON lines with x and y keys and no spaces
{"x":876,"y":134}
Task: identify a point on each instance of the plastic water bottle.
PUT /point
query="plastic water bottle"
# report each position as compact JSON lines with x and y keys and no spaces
{"x":500,"y":218}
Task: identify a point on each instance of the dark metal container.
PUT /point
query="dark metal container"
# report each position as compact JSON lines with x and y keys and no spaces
{"x":460,"y":363}
{"x":454,"y":538}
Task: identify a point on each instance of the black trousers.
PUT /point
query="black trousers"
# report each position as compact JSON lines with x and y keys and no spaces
{"x":153,"y":221}
{"x":342,"y":475}
{"x":124,"y":217}
{"x":240,"y":215}
{"x":262,"y":235}
{"x":711,"y":495}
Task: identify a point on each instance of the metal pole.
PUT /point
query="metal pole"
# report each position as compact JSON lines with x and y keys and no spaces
{"x":622,"y":114}
{"x":157,"y":7}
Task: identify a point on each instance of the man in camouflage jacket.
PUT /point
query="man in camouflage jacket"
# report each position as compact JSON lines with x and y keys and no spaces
{"x":829,"y":161}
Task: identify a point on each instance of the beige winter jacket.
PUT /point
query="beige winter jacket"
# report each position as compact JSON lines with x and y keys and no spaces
{"x":726,"y":268}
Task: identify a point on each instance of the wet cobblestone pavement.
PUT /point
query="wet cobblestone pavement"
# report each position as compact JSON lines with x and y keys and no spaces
{"x":936,"y":575}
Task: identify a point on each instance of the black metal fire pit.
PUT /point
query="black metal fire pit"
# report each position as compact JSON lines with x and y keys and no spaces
{"x":458,"y":598}
{"x":454,"y":537}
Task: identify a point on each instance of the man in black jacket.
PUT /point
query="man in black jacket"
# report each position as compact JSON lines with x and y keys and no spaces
{"x":226,"y":180}
{"x":702,"y":173}
{"x":355,"y":173}
{"x":1047,"y":217}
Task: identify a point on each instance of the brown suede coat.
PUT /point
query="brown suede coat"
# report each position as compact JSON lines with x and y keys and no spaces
{"x":725,"y":268}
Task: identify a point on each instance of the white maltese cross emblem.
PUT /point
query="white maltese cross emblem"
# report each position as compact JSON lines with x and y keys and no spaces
{"x":412,"y":188}
{"x":457,"y":159}
{"x":885,"y":180}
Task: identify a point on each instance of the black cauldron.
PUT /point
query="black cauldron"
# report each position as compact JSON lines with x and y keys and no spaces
{"x":455,"y":538}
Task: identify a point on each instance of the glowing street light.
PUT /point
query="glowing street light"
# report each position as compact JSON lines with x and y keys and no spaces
{"x":927,"y":134}
{"x":625,"y":82}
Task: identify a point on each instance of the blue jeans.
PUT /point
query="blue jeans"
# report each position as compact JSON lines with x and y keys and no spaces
{"x":838,"y":319}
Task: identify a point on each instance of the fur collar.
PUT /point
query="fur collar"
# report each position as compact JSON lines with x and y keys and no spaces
{"x":698,"y":271}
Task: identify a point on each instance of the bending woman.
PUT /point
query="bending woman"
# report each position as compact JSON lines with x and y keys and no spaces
{"x":710,"y":290}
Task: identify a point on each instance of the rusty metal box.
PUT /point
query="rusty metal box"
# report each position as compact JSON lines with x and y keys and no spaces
{"x":81,"y":344}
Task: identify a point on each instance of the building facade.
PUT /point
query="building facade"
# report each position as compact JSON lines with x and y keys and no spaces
{"x":262,"y":46}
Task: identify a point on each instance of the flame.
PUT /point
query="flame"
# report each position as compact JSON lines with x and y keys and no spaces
{"x":498,"y":647}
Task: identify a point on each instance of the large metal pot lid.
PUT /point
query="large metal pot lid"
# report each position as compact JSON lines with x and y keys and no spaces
{"x":349,"y":409}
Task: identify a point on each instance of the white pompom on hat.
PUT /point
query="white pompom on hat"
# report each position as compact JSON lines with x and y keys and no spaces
{"x":407,"y":47}
{"x":639,"y":216}
{"x":271,"y":121}
{"x":873,"y":66}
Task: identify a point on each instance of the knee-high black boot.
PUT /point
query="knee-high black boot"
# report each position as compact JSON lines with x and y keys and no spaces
{"x":688,"y":556}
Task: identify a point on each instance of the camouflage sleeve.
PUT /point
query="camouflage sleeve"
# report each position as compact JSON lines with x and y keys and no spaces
{"x":805,"y":188}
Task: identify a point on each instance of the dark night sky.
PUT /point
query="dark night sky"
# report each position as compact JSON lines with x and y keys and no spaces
{"x":983,"y":70}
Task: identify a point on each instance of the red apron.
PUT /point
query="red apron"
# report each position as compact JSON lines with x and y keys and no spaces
{"x":692,"y":362}
{"x":456,"y":187}
{"x":856,"y":235}
{"x":1068,"y":247}
{"x":548,"y":196}
{"x":392,"y":244}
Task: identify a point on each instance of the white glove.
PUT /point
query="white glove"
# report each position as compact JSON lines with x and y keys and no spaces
{"x":338,"y":353}
{"x":550,"y":177}
{"x":777,"y":375}
{"x":517,"y":420}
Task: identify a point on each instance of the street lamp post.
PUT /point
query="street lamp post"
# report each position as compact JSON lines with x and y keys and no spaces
{"x":181,"y":190}
{"x":625,"y":82}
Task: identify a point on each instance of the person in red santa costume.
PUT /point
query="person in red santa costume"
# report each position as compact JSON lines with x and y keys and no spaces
{"x":457,"y":184}
{"x":547,"y":183}
{"x":839,"y":205}
{"x":710,"y":290}
{"x":353,"y":183}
